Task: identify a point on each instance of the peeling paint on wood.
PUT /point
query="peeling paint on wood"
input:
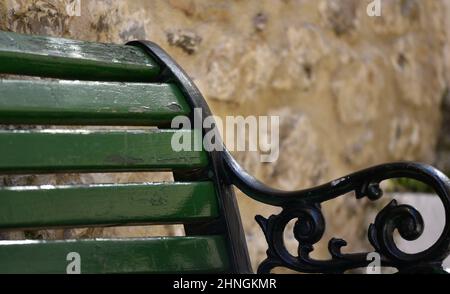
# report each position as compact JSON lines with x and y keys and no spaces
{"x":50,"y":151}
{"x":99,"y":103}
{"x":151,"y":255}
{"x":71,"y":59}
{"x":112,"y":204}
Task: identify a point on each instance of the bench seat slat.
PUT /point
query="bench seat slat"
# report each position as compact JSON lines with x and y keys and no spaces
{"x":94,"y":151}
{"x":76,"y":206}
{"x":94,"y":103}
{"x":151,"y":255}
{"x":70,"y":59}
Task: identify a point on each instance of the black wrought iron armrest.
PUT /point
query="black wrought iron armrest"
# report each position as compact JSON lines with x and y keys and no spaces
{"x":305,"y":205}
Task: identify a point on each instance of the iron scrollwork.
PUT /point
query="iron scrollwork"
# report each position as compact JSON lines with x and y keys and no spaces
{"x":304,"y":207}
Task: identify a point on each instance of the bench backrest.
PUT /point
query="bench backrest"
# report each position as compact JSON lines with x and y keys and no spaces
{"x":106,"y":85}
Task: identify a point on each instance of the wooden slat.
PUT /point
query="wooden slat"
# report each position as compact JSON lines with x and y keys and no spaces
{"x":91,"y":151}
{"x":75,"y":102}
{"x":72,"y":206}
{"x":155,"y":255}
{"x":70,"y":59}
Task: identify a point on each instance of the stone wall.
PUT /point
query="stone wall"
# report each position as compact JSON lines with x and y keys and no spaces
{"x":443,"y":147}
{"x":351,"y":90}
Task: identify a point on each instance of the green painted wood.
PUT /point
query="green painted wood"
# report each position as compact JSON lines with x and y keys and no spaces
{"x":72,"y":206}
{"x":71,"y":59}
{"x":155,"y":255}
{"x":91,"y":151}
{"x":99,"y":103}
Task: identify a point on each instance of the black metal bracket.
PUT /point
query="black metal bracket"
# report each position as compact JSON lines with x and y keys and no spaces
{"x":230,"y":222}
{"x":304,"y":206}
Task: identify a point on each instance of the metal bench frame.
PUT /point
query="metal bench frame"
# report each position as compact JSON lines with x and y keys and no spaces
{"x":305,"y":205}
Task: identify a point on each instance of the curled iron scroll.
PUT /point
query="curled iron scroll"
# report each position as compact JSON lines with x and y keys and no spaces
{"x":304,"y":207}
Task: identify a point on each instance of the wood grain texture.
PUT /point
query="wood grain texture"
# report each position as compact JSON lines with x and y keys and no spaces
{"x":71,"y":59}
{"x":112,"y":204}
{"x":152,"y":255}
{"x":94,"y":151}
{"x":98,"y":103}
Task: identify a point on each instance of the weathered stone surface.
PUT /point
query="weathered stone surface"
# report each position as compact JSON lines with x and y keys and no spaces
{"x":443,"y":148}
{"x":187,"y":40}
{"x":340,"y":15}
{"x":414,"y":69}
{"x":351,"y":90}
{"x":358,"y":104}
{"x":405,"y":137}
{"x":299,"y":140}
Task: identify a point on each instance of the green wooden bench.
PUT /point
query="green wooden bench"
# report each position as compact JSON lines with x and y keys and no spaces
{"x":138,"y":84}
